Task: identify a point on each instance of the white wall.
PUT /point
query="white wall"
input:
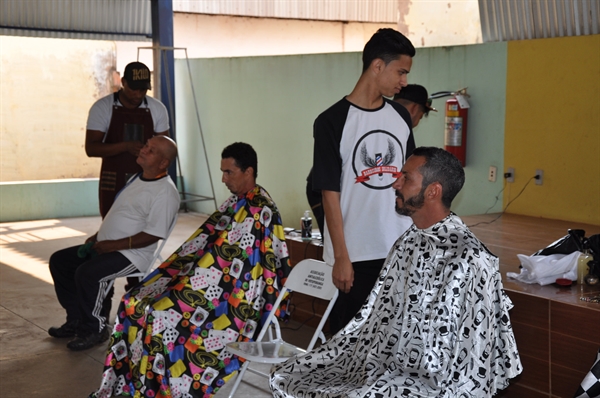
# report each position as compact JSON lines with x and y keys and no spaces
{"x":437,"y":23}
{"x":48,"y":86}
{"x":213,"y":36}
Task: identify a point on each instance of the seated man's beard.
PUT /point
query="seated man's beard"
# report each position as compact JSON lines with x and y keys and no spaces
{"x":411,"y":205}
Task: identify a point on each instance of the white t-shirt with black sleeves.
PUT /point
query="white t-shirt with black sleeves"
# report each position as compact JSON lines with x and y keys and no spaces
{"x":359,"y":153}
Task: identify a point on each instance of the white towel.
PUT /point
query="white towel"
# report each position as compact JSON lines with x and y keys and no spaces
{"x":546,"y":269}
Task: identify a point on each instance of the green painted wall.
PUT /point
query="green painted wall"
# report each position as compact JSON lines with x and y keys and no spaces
{"x":544,"y":93}
{"x":34,"y":200}
{"x":271,"y":103}
{"x":482,"y":69}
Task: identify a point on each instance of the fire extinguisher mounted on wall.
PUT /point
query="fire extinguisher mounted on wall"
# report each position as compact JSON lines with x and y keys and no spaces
{"x":456,"y":117}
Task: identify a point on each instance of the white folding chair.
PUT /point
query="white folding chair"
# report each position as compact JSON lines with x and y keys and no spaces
{"x":309,"y":277}
{"x":156,"y":256}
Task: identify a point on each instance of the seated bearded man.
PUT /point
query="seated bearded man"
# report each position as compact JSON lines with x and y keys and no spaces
{"x":436,"y":324}
{"x":170,"y":335}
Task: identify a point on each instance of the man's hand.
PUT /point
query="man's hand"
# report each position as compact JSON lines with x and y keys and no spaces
{"x":94,"y":147}
{"x":92,"y":238}
{"x":343,"y":275}
{"x":106,"y":246}
{"x":343,"y":272}
{"x":133,"y":147}
{"x":141,"y":239}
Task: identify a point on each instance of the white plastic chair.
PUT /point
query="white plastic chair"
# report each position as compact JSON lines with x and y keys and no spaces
{"x":156,"y":256}
{"x":309,"y":277}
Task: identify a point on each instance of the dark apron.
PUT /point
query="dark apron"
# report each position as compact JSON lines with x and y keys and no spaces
{"x":125,"y":125}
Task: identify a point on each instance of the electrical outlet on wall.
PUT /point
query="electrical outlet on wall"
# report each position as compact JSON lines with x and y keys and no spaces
{"x":539,"y":177}
{"x":510,"y":174}
{"x":492,"y":173}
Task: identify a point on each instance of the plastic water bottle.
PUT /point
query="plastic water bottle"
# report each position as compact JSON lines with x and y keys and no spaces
{"x":306,"y":226}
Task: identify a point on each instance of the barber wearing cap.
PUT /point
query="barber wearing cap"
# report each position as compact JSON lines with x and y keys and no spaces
{"x":416,"y":100}
{"x":118,"y":126}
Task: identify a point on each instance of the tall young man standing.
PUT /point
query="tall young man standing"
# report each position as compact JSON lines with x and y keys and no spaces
{"x":361,"y":143}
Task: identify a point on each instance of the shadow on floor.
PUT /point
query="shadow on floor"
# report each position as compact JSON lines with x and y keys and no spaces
{"x":35,"y":365}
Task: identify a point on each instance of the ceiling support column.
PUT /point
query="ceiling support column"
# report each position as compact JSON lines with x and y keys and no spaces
{"x":164,"y":64}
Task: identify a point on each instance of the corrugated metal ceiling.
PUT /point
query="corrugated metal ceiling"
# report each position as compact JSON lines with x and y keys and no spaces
{"x":381,"y":11}
{"x":131,"y":19}
{"x":503,"y":20}
{"x":77,"y":19}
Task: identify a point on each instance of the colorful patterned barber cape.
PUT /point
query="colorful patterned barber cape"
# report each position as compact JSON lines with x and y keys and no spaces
{"x":171,"y":329}
{"x":435,"y":325}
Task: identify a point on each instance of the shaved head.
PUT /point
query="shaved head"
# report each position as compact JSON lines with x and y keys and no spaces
{"x":167,"y":147}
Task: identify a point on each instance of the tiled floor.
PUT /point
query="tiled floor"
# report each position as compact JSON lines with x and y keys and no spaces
{"x":33,"y":364}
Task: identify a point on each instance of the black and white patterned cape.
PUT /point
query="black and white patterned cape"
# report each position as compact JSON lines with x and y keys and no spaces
{"x":435,"y":325}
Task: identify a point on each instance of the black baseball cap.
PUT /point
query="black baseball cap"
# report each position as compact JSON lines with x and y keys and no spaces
{"x":417,"y":94}
{"x":138,"y":76}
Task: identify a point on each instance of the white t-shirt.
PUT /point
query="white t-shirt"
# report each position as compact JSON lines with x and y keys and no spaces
{"x":101,"y":113}
{"x":359,"y":153}
{"x":141,"y":206}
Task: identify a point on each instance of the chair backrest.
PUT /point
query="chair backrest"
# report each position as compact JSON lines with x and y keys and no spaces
{"x":156,"y":256}
{"x":312,"y":278}
{"x":159,"y":247}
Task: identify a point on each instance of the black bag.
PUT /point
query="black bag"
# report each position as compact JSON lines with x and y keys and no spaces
{"x":574,"y":241}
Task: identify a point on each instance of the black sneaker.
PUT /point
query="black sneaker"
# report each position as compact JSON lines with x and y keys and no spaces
{"x":66,"y":330}
{"x":88,"y":341}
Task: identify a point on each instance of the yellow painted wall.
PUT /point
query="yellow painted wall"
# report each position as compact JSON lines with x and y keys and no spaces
{"x":553,"y":124}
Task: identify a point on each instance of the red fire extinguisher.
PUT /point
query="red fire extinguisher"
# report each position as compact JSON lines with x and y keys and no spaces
{"x":455,"y":137}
